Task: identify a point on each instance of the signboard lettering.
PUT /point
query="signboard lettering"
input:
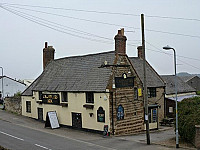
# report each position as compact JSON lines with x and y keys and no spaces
{"x":121,"y":82}
{"x":51,"y":99}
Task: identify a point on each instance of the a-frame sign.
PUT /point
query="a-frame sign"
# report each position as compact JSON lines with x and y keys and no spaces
{"x":52,"y":120}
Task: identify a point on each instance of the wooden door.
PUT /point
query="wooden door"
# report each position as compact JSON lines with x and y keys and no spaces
{"x":40,"y":114}
{"x":76,"y":120}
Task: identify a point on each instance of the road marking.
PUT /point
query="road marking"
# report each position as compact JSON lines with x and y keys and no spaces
{"x":42,"y":146}
{"x":80,"y":141}
{"x":11,"y":136}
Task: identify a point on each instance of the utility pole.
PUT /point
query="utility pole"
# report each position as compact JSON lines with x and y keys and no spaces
{"x":144,"y":84}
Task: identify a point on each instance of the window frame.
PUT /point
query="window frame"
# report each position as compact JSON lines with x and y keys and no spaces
{"x":89,"y":97}
{"x":40,"y":95}
{"x":64,"y":98}
{"x":151,"y":92}
{"x":135,"y":93}
{"x":28,"y":106}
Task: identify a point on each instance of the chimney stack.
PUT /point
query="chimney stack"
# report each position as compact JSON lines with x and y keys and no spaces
{"x":120,"y":42}
{"x":140,"y":54}
{"x":48,"y":54}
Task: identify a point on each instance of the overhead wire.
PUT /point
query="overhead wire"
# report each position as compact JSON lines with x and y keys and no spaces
{"x":177,"y":55}
{"x":68,"y":28}
{"x":170,"y":54}
{"x":111,"y":24}
{"x":35,"y":21}
{"x":24,"y":15}
{"x":83,"y":19}
{"x":105,"y":12}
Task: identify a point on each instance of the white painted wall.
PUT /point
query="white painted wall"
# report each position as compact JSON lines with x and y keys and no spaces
{"x":11,"y":87}
{"x":75,"y":104}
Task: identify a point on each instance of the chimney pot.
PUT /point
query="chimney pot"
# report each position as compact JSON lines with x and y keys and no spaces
{"x":46,"y":44}
{"x":119,"y":32}
{"x":122,"y":31}
{"x":140,"y":52}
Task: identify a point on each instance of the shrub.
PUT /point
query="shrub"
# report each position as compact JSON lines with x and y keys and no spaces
{"x":18,"y":94}
{"x":188,"y":117}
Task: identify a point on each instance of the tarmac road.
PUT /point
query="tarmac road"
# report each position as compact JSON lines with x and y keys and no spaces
{"x":22,"y":133}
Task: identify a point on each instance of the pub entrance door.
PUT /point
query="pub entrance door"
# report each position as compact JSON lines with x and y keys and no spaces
{"x":76,"y":120}
{"x":40,"y":114}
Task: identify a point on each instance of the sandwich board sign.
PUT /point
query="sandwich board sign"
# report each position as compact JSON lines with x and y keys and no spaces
{"x":52,"y":120}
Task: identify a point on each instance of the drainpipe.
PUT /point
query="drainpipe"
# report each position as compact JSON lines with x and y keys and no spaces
{"x":113,"y":130}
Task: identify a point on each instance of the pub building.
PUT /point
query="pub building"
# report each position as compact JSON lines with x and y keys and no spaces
{"x":95,"y":91}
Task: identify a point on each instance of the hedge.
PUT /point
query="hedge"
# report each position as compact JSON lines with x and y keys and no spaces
{"x":188,"y":117}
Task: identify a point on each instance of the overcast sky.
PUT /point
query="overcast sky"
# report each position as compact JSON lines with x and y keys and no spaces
{"x":22,"y":40}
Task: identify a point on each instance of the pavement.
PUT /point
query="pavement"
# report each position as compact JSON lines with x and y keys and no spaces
{"x":163,"y":137}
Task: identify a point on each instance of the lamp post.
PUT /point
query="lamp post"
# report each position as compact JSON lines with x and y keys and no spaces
{"x":2,"y":86}
{"x":175,"y":81}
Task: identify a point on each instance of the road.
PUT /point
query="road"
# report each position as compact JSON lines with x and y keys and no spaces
{"x":21,"y":133}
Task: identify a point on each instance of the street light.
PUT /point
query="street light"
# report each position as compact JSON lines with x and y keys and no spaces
{"x":175,"y":80}
{"x":2,"y":86}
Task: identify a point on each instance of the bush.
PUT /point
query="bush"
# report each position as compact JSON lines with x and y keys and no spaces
{"x":188,"y":117}
{"x":18,"y":94}
{"x":198,"y":92}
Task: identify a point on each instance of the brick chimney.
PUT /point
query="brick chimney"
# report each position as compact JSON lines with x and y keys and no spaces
{"x":48,"y":54}
{"x":140,"y":54}
{"x":120,"y":42}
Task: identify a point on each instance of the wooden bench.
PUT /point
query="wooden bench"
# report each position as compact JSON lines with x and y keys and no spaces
{"x":167,"y":121}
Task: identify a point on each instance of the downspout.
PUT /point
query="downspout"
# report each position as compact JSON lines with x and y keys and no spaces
{"x":113,"y":130}
{"x":165,"y":105}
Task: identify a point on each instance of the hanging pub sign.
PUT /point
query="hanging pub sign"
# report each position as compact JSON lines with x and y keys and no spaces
{"x":124,"y":81}
{"x":51,"y":99}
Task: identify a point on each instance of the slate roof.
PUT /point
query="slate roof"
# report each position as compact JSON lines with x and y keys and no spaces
{"x":182,"y":87}
{"x":78,"y":73}
{"x":186,"y":78}
{"x":153,"y":79}
{"x":12,"y":79}
{"x":83,"y":73}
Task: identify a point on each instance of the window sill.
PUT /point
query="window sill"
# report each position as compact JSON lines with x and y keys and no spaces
{"x":39,"y":101}
{"x":64,"y":104}
{"x":88,"y":106}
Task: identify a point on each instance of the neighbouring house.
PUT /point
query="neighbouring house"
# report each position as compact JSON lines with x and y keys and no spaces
{"x":27,"y":82}
{"x":10,"y":86}
{"x":193,"y":81}
{"x":183,"y":91}
{"x":90,"y":91}
{"x":155,"y":88}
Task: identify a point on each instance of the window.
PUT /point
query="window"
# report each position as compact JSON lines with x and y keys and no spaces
{"x":171,"y":109}
{"x":64,"y":97}
{"x":89,"y":97}
{"x":153,"y":115}
{"x":151,"y":92}
{"x":40,"y":95}
{"x":100,"y":115}
{"x":135,"y":93}
{"x":28,"y":106}
{"x":120,"y":112}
